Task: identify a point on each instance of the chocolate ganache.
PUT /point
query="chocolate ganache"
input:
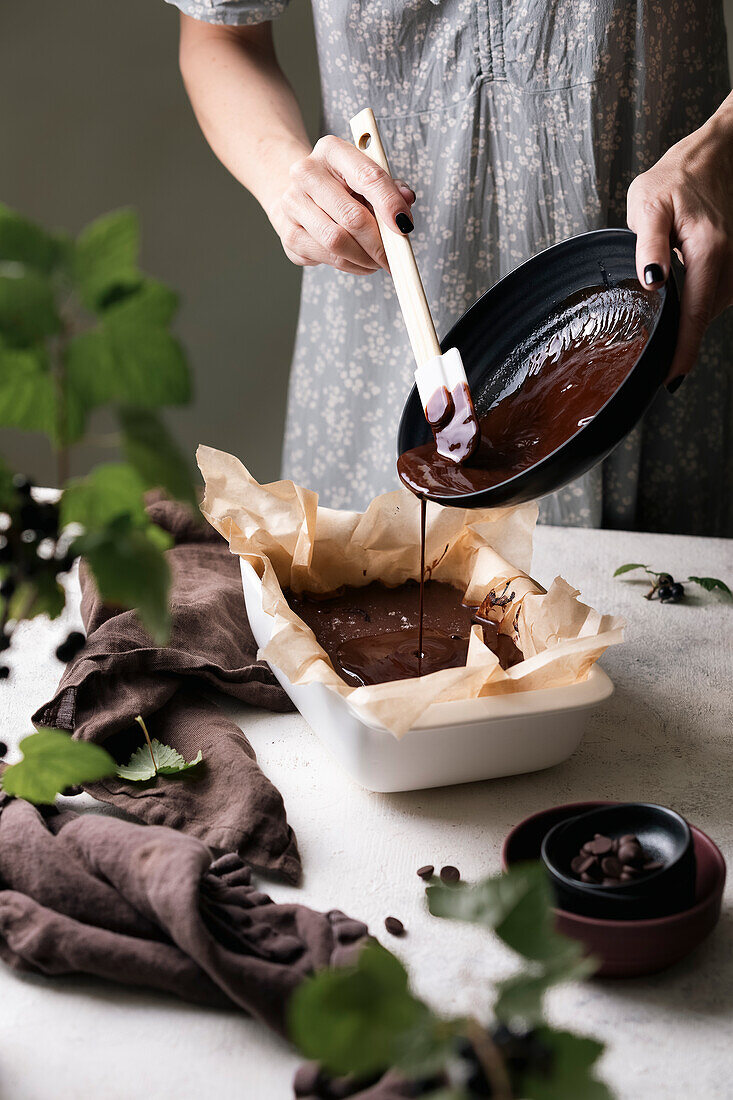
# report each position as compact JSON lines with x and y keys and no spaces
{"x":565,"y":381}
{"x":371,"y":633}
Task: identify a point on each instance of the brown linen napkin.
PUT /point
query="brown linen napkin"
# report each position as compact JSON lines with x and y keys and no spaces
{"x":227,"y":802}
{"x":146,"y":906}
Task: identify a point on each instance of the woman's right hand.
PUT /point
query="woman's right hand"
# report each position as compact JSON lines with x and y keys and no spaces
{"x":325,"y":214}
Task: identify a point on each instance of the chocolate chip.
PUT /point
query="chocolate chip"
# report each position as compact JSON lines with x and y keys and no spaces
{"x":394,"y":926}
{"x":630,"y":852}
{"x":583,"y":863}
{"x":600,"y":845}
{"x":653,"y":865}
{"x":427,"y":871}
{"x":585,"y":877}
{"x":450,"y":874}
{"x":611,"y":866}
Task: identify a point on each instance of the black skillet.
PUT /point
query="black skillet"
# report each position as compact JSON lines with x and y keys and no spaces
{"x":507,"y":316}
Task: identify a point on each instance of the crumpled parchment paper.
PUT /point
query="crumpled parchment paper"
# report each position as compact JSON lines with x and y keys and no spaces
{"x":291,"y":542}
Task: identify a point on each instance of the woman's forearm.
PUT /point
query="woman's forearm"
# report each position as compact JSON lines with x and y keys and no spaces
{"x":319,"y":200}
{"x":244,"y":104}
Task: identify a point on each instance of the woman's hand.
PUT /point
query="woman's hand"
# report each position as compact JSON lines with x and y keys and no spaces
{"x":686,"y":201}
{"x":324,"y":215}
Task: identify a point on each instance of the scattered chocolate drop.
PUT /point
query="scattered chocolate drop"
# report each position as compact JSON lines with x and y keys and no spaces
{"x":427,"y":871}
{"x":394,"y":926}
{"x":450,"y":874}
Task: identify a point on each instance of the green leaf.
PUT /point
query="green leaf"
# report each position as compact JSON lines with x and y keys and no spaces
{"x":150,"y":367}
{"x":521,"y":997}
{"x":51,"y":762}
{"x":42,"y":595}
{"x":105,"y":257}
{"x":131,"y":571}
{"x":150,"y":303}
{"x":169,"y":762}
{"x":27,"y":391}
{"x":22,"y":241}
{"x":27,"y":309}
{"x":90,"y":369}
{"x":627,"y":568}
{"x":517,"y":905}
{"x":111,"y":490}
{"x":358,"y":1019}
{"x":150,"y":448}
{"x":711,"y":583}
{"x":571,"y":1071}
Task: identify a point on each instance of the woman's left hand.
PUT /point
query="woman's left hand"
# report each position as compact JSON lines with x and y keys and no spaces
{"x":685,"y":201}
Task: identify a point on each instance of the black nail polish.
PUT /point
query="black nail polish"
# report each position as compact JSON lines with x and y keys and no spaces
{"x":675,"y":384}
{"x":653,"y":274}
{"x":403,"y":223}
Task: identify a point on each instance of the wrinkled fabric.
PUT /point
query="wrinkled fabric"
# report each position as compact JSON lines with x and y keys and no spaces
{"x":147,"y":906}
{"x":518,"y":123}
{"x":227,"y":802}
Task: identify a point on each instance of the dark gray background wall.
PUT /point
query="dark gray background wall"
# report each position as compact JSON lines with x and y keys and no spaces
{"x":93,"y":116}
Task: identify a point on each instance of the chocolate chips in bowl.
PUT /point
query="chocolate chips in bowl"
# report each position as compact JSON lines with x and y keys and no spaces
{"x":629,"y":861}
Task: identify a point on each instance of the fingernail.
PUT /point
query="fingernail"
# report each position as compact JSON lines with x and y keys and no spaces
{"x":403,"y":223}
{"x":675,"y":384}
{"x":653,"y":274}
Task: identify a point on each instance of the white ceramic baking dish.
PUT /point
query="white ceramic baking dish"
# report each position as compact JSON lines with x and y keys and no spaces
{"x":455,"y":742}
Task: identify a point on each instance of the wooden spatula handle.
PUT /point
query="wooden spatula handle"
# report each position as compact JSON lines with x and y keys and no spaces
{"x":406,"y":277}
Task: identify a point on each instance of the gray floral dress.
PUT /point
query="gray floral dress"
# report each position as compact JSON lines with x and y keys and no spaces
{"x":518,"y":123}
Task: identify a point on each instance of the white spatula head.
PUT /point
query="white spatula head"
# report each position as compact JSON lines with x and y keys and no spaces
{"x":446,"y":400}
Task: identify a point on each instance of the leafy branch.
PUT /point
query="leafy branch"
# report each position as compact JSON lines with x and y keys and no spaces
{"x":664,"y":586}
{"x":363,"y":1019}
{"x":82,"y":327}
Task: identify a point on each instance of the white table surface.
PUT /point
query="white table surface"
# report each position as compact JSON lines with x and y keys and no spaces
{"x":665,"y":736}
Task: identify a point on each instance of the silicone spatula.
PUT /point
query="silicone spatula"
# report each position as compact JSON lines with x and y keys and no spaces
{"x":440,"y":378}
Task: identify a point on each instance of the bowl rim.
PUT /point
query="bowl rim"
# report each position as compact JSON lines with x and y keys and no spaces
{"x":621,"y":890}
{"x":448,"y":341}
{"x":638,"y":924}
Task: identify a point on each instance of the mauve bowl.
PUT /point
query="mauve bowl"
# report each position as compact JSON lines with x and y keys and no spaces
{"x":664,"y":835}
{"x":629,"y":948}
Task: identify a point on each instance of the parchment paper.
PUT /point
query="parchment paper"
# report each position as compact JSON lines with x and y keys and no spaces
{"x":293,"y":543}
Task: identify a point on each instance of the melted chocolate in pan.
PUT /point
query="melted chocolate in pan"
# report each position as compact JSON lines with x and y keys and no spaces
{"x":565,"y":381}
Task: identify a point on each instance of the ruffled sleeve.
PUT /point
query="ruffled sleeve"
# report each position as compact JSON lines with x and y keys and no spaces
{"x":235,"y":13}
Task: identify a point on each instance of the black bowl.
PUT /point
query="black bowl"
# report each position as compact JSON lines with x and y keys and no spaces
{"x":507,"y":316}
{"x":661,"y":832}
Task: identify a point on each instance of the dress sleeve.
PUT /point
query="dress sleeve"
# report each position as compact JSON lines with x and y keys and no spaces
{"x":234,"y":13}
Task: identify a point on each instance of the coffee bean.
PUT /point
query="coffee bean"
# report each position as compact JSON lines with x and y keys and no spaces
{"x":450,"y":874}
{"x":394,"y":926}
{"x":427,"y":871}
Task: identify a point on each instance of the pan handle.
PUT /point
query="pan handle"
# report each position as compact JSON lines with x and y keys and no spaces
{"x":405,"y":275}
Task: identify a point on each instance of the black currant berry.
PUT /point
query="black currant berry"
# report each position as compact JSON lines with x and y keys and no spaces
{"x":4,"y":672}
{"x":678,"y":592}
{"x":665,"y":578}
{"x":3,"y":749}
{"x":69,"y":648}
{"x":22,"y":485}
{"x":665,"y":593}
